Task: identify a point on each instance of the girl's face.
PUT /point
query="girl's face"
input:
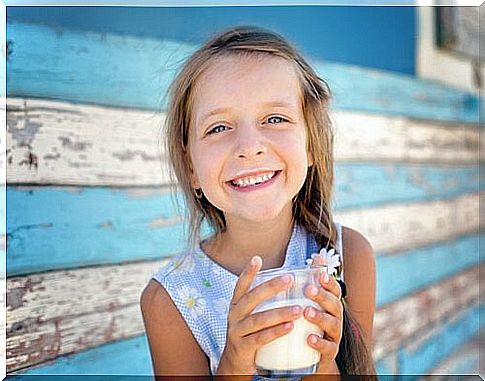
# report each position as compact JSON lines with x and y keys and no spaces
{"x":248,"y":137}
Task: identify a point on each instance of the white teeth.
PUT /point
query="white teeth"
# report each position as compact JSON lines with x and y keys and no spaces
{"x":253,"y":180}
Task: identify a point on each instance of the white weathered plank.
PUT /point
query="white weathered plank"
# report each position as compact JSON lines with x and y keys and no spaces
{"x":368,"y":137}
{"x":414,"y":318}
{"x":63,"y":143}
{"x":56,"y":313}
{"x":3,"y":140}
{"x":54,"y":142}
{"x":392,"y":228}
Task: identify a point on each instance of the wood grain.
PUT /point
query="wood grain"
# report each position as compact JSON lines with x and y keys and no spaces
{"x":411,"y":318}
{"x":58,"y":313}
{"x":133,"y":71}
{"x":53,"y":142}
{"x":393,"y":228}
{"x":114,"y":226}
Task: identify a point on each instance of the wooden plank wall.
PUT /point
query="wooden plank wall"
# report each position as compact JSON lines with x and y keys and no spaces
{"x":90,"y":217}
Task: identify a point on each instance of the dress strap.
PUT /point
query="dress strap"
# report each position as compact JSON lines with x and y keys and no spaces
{"x":340,"y":250}
{"x":309,"y":246}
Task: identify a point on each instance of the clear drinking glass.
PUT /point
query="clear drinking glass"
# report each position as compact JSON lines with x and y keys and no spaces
{"x":290,"y":355}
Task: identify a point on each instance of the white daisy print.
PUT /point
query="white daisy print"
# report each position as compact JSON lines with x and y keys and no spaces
{"x":331,"y":260}
{"x":194,"y":302}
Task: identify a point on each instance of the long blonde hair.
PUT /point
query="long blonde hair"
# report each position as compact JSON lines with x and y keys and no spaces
{"x":312,"y":205}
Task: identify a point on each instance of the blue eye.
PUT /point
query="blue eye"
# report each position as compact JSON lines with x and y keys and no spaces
{"x":216,"y":129}
{"x":276,"y":119}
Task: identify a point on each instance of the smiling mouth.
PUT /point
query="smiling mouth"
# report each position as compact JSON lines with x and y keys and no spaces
{"x":248,"y":181}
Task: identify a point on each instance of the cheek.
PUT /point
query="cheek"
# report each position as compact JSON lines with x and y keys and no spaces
{"x":300,"y":164}
{"x":207,"y":167}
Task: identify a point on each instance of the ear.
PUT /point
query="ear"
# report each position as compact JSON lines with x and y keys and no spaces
{"x":309,"y":158}
{"x":194,"y":180}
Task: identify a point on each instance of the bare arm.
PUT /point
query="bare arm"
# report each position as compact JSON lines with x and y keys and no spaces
{"x":360,"y":279}
{"x":173,"y":348}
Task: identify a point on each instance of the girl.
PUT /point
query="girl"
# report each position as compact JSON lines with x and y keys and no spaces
{"x":251,"y":145}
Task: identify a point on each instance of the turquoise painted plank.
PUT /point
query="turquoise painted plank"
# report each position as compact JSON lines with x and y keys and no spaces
{"x":135,"y":72}
{"x":3,"y":231}
{"x":367,"y":185}
{"x":440,"y":345}
{"x":382,"y":368}
{"x":392,"y":27}
{"x":123,"y":357}
{"x":58,"y":63}
{"x":107,"y":225}
{"x":413,"y":270}
{"x":355,"y":88}
{"x":52,"y":228}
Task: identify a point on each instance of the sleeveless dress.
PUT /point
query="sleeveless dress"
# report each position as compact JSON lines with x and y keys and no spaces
{"x":202,"y":290}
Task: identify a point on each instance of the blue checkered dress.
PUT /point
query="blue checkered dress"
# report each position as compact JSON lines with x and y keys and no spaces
{"x":202,"y":290}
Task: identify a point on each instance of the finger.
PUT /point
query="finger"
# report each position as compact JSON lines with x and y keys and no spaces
{"x":329,"y":324}
{"x":260,"y":338}
{"x":318,"y":261}
{"x":326,"y":300}
{"x":269,"y":318}
{"x":246,"y":278}
{"x":327,"y":348}
{"x":264,"y":291}
{"x":330,"y":283}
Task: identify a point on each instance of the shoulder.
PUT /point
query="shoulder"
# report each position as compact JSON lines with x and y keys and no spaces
{"x":360,"y":278}
{"x":358,"y":252}
{"x":169,"y":336}
{"x":157,"y":306}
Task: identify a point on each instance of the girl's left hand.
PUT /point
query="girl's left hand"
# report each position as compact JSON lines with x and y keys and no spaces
{"x":329,"y":319}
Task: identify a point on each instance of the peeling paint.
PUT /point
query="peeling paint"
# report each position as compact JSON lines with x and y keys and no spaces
{"x":108,"y":225}
{"x":22,"y":129}
{"x":31,"y":160}
{"x":79,"y":165}
{"x":162,"y":222}
{"x":44,"y":225}
{"x":74,"y":146}
{"x":130,"y":155}
{"x":52,"y":156}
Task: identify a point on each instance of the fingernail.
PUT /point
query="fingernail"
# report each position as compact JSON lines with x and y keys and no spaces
{"x":312,"y":290}
{"x":296,"y":310}
{"x":288,"y":325}
{"x":255,"y":260}
{"x":311,"y":312}
{"x":326,"y":278}
{"x":286,"y":278}
{"x":313,"y":339}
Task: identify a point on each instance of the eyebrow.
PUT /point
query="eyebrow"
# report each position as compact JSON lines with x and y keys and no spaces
{"x":222,"y":110}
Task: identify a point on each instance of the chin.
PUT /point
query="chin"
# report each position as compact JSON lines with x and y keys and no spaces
{"x":263,"y":213}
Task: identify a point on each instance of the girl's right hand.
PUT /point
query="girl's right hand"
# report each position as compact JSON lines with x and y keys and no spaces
{"x":246,"y":332}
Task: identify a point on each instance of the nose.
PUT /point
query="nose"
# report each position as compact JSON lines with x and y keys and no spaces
{"x":250,"y":142}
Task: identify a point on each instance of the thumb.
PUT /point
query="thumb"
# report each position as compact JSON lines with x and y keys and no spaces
{"x":318,"y":261}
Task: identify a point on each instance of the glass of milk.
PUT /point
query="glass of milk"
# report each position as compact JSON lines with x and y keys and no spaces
{"x":290,"y":355}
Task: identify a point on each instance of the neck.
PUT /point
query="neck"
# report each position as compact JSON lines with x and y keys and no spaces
{"x":235,"y":247}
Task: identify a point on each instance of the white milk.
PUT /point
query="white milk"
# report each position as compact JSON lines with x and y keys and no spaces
{"x":290,"y":351}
